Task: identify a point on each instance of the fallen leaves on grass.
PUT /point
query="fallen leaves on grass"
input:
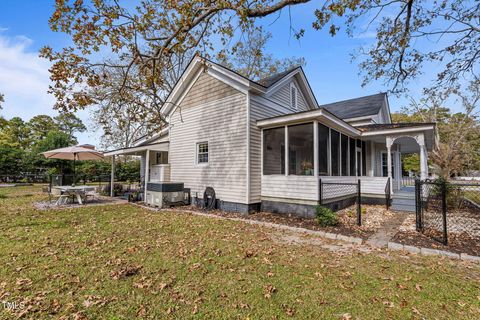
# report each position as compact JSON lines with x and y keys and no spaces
{"x":143,"y":283}
{"x":268,"y":290}
{"x":92,"y":300}
{"x":289,"y":311}
{"x":127,"y":271}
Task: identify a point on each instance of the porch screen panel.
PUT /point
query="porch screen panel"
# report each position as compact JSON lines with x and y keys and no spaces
{"x":300,"y":149}
{"x":364,"y":158}
{"x":274,"y":151}
{"x":344,"y":157}
{"x":323,"y":154}
{"x":335,"y":152}
{"x":352,"y":157}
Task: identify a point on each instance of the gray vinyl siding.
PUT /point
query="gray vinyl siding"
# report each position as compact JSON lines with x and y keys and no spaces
{"x":282,"y":97}
{"x":216,"y":113}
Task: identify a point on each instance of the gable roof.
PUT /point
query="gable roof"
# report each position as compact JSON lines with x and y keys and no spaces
{"x":358,"y":107}
{"x":271,"y":80}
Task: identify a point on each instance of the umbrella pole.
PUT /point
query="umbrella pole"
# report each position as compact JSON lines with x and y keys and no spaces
{"x":74,"y":169}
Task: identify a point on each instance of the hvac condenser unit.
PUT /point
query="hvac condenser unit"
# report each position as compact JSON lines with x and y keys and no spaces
{"x":164,"y":194}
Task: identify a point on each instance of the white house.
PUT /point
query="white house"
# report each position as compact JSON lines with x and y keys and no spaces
{"x":231,"y":133}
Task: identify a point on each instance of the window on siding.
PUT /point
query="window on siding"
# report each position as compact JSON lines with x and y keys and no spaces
{"x":202,"y":152}
{"x":335,"y":152}
{"x":300,"y":149}
{"x":162,"y":157}
{"x":293,"y":96}
{"x":323,"y":150}
{"x":352,"y":157}
{"x":274,"y":151}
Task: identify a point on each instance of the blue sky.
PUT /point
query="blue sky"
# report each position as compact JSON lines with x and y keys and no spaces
{"x":24,"y":76}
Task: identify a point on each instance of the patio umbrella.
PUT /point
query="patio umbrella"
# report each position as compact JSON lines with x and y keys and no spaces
{"x":74,"y":153}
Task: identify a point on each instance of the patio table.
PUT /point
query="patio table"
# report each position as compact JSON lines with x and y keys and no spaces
{"x":76,"y":191}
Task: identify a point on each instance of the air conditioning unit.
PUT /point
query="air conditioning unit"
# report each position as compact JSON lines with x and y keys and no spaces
{"x":164,"y":194}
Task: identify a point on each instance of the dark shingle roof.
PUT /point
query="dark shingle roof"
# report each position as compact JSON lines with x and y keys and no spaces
{"x":271,"y":80}
{"x":358,"y":107}
{"x":385,"y":126}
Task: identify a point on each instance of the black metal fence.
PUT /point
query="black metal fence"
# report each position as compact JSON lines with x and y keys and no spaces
{"x":388,"y":194}
{"x":448,"y":208}
{"x":338,"y":195}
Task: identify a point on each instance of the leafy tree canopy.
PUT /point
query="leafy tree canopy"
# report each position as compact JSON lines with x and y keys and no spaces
{"x":147,"y":39}
{"x":21,"y":142}
{"x":458,"y":132}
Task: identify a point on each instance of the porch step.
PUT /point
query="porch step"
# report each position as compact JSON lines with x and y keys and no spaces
{"x":401,"y":193}
{"x":403,"y":201}
{"x":403,"y":207}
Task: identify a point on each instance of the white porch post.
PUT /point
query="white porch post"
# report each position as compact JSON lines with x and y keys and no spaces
{"x":398,"y":168}
{"x":423,"y":175}
{"x":112,"y":176}
{"x":142,"y":168}
{"x":315,"y":149}
{"x":423,"y":157}
{"x":389,"y":142}
{"x":286,"y":151}
{"x":147,"y":173}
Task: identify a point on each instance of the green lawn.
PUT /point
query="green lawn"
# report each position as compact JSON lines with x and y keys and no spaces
{"x":122,"y":262}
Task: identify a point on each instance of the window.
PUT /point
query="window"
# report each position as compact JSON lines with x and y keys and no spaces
{"x":335,"y":152}
{"x":162,"y":157}
{"x":385,"y":165}
{"x":352,"y":157}
{"x":344,"y":155}
{"x":323,"y":154}
{"x":274,"y":151}
{"x":300,"y":149}
{"x":202,"y":152}
{"x":293,"y":96}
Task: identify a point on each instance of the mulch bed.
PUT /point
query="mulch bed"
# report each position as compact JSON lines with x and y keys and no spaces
{"x":458,"y":243}
{"x":372,"y":219}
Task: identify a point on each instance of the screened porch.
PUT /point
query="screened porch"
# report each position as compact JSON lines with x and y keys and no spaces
{"x":299,"y":150}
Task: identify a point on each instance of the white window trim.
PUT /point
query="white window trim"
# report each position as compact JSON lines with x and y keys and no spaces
{"x":384,"y":152}
{"x":197,"y":144}
{"x":292,"y":86}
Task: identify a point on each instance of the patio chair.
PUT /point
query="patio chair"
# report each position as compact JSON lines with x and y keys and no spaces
{"x":63,"y":198}
{"x":90,"y":194}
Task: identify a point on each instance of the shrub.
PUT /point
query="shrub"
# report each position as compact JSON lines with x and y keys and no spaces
{"x":326,"y":217}
{"x":454,"y":194}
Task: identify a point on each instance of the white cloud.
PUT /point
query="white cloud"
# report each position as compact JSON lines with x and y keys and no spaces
{"x":24,"y":80}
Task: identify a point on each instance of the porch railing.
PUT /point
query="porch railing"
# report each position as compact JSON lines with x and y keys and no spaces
{"x":408,"y":181}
